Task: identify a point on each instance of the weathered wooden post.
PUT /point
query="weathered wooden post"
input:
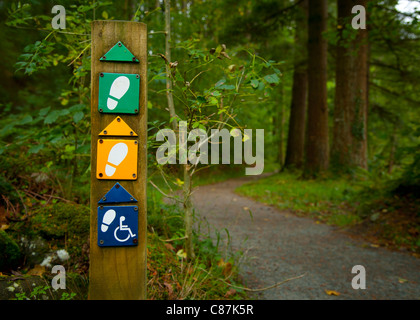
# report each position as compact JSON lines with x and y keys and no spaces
{"x":118,"y":160}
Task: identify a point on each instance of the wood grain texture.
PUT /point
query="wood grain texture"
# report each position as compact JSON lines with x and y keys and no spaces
{"x":118,"y":272}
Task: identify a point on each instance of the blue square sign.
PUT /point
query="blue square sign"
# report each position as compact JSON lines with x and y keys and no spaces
{"x":117,"y":226}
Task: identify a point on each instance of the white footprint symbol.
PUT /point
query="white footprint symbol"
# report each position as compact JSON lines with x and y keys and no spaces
{"x":115,"y":157}
{"x":118,"y":88}
{"x":109,"y":216}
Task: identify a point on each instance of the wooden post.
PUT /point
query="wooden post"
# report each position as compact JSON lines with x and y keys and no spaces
{"x":118,"y":272}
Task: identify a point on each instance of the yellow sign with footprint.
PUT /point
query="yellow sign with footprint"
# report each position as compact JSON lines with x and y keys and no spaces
{"x":117,"y":159}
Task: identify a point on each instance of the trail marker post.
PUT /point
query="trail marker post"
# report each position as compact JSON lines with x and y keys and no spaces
{"x":118,"y":161}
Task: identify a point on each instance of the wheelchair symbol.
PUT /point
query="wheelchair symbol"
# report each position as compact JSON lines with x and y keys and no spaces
{"x":122,"y":227}
{"x":122,"y":232}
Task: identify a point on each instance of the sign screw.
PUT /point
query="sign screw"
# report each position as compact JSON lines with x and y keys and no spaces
{"x":104,"y":57}
{"x":117,"y":186}
{"x":136,"y":208}
{"x":100,"y":110}
{"x":100,"y":175}
{"x":119,"y":119}
{"x":137,"y":76}
{"x":101,"y":74}
{"x":101,"y":241}
{"x":134,"y":240}
{"x":135,"y":142}
{"x":104,"y":199}
{"x":105,"y":132}
{"x":134,"y":59}
{"x":136,"y":110}
{"x":101,"y":141}
{"x":119,"y":44}
{"x":134,"y":175}
{"x":131,"y":199}
{"x":131,"y":133}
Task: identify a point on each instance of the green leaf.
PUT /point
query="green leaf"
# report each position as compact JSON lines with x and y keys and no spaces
{"x":78,"y":116}
{"x":51,"y":118}
{"x":36,"y":148}
{"x":272,"y":78}
{"x":212,"y":101}
{"x":44,"y":111}
{"x":63,"y":112}
{"x":255,"y":83}
{"x":77,"y":107}
{"x":26,"y":120}
{"x":227,"y":87}
{"x":219,"y":83}
{"x":69,"y":149}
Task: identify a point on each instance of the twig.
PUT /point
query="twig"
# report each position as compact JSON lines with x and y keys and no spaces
{"x":164,"y":194}
{"x":164,"y":179}
{"x":170,"y":240}
{"x":34,"y":194}
{"x":269,"y":287}
{"x":21,"y":200}
{"x":79,"y":55}
{"x":262,"y":289}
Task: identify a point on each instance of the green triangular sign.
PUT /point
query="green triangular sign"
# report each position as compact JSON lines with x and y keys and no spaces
{"x":120,"y":53}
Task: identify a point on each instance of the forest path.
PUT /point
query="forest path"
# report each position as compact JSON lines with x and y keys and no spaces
{"x":279,"y":245}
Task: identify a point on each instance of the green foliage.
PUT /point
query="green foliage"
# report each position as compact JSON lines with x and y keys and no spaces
{"x":163,"y":218}
{"x":10,"y":254}
{"x":409,"y":182}
{"x":43,"y":292}
{"x":64,"y":225}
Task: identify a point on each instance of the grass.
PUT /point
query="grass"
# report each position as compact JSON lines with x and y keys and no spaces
{"x":206,"y":277}
{"x":325,"y":200}
{"x":365,"y":208}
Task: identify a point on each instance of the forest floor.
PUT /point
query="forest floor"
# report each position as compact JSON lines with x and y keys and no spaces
{"x":277,"y":245}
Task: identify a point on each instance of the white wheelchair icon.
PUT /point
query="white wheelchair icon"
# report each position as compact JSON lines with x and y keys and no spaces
{"x":108,"y":218}
{"x":122,"y":227}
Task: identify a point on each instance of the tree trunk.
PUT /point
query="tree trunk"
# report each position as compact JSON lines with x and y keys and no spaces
{"x":169,"y":95}
{"x":349,"y":146}
{"x":280,"y":125}
{"x":317,"y":149}
{"x":188,"y":212}
{"x":297,"y":121}
{"x":187,"y":204}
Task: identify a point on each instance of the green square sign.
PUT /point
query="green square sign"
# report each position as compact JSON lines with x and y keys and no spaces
{"x":119,"y":93}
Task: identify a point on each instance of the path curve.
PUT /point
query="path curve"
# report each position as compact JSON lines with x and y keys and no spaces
{"x":279,"y":245}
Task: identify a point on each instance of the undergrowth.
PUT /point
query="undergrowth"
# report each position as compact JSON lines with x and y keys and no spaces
{"x":52,"y":226}
{"x":210,"y":275}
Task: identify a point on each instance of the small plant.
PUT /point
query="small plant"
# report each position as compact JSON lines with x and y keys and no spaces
{"x":67,"y":296}
{"x":38,"y":293}
{"x":42,"y":292}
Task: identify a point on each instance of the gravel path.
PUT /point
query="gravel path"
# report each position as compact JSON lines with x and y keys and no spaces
{"x":280,"y":245}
